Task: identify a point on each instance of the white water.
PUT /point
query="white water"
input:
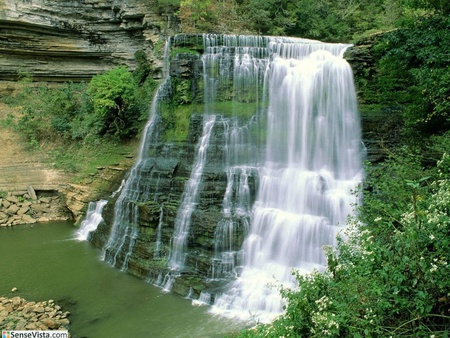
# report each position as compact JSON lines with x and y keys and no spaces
{"x":303,"y":92}
{"x":189,"y":199}
{"x":236,"y":207}
{"x":92,"y":220}
{"x":312,"y":162}
{"x":125,"y":227}
{"x":159,"y":233}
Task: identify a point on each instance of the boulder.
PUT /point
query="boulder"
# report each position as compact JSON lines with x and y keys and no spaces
{"x":31,"y":192}
{"x":13,"y":209}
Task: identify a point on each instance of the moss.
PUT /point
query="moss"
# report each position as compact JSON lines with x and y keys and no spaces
{"x":177,"y":121}
{"x":180,"y":50}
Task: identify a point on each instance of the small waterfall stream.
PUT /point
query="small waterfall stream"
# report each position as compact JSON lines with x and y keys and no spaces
{"x":190,"y":199}
{"x":125,"y":227}
{"x":92,"y":220}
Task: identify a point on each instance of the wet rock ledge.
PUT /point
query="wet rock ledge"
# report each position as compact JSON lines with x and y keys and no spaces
{"x":18,"y":314}
{"x":27,"y":207}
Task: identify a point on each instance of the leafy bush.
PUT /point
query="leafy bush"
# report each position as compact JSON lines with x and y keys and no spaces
{"x":388,"y":276}
{"x":47,"y":111}
{"x":414,"y":72}
{"x":113,"y":100}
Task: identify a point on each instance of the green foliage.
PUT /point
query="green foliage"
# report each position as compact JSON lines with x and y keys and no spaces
{"x":388,"y":276}
{"x":324,"y":20}
{"x":211,"y":16}
{"x":46,"y":111}
{"x":84,"y":160}
{"x":439,"y":6}
{"x":80,"y":125}
{"x":182,"y":50}
{"x":113,"y":100}
{"x":167,"y":6}
{"x":414,"y":73}
{"x":176,"y":121}
{"x":143,"y":67}
{"x":108,"y":106}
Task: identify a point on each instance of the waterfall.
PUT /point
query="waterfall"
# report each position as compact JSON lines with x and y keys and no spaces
{"x":92,"y":220}
{"x":311,"y":164}
{"x":236,"y":207}
{"x":280,"y":115}
{"x":157,"y":253}
{"x":189,"y":199}
{"x":125,"y":227}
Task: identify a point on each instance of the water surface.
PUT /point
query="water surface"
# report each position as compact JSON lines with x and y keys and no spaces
{"x":44,"y":262}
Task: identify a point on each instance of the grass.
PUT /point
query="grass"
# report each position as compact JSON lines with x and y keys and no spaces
{"x":84,"y":160}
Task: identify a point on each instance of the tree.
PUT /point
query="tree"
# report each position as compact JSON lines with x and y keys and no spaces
{"x":113,"y":101}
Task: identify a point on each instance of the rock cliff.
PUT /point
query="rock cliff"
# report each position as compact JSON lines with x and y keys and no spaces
{"x":165,"y":174}
{"x":73,"y":40}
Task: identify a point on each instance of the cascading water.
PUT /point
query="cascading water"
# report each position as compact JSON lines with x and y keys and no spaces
{"x":92,"y":220}
{"x":125,"y":227}
{"x":312,"y":162}
{"x":190,"y":199}
{"x":290,"y":155}
{"x":236,"y":207}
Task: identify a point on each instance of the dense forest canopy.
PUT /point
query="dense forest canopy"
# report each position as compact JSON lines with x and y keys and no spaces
{"x":326,"y":20}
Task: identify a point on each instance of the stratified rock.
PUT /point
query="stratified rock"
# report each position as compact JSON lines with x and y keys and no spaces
{"x":56,"y":40}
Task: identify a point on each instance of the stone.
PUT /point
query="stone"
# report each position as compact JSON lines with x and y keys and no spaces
{"x":31,"y":192}
{"x":32,"y":326}
{"x":46,"y":41}
{"x":28,"y":219}
{"x":21,"y":324}
{"x":64,"y":322}
{"x":23,"y":210}
{"x":38,"y":207}
{"x":14,"y":289}
{"x":12,"y":210}
{"x":38,"y":309}
{"x":12,"y":199}
{"x":16,"y":301}
{"x":50,"y":323}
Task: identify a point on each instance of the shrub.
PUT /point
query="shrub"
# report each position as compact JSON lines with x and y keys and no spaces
{"x":112,"y":96}
{"x":393,"y":285}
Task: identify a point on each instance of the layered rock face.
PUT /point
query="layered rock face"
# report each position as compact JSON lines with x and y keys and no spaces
{"x":155,"y":197}
{"x":145,"y":250}
{"x":164,"y":180}
{"x":74,"y":40}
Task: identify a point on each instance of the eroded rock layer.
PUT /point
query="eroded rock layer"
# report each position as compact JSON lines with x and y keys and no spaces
{"x":74,"y":40}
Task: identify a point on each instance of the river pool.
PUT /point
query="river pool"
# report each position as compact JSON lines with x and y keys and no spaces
{"x":44,"y":261}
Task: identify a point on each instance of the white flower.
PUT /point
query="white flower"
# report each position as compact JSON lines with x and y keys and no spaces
{"x":433,"y":267}
{"x":432,"y":237}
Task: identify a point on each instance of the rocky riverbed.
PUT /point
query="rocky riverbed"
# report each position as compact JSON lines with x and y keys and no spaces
{"x":17,"y":313}
{"x":26,"y":207}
